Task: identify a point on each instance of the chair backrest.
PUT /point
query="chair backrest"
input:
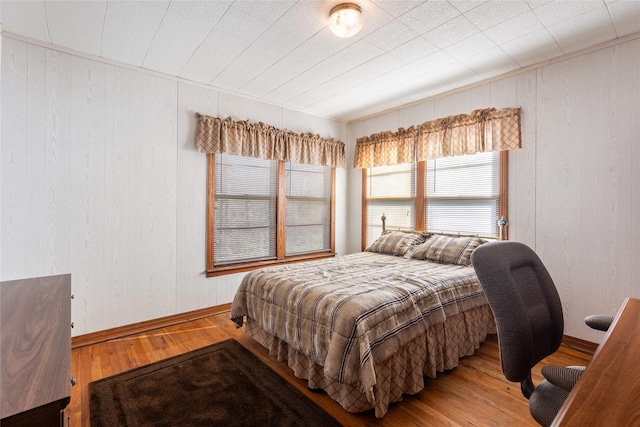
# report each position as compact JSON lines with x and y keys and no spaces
{"x":525,"y":304}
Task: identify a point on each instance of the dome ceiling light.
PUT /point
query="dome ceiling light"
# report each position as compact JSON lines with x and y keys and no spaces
{"x":345,"y":20}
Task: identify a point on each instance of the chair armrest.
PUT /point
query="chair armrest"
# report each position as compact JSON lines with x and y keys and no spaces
{"x":600,"y":322}
{"x":561,"y":376}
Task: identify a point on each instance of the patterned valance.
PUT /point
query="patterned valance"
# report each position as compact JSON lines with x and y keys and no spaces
{"x":386,"y":148}
{"x":482,"y":130}
{"x":243,"y":138}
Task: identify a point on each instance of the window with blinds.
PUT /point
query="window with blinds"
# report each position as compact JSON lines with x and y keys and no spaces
{"x":391,"y":190}
{"x":245,"y":208}
{"x":463,"y":193}
{"x":308,"y":190}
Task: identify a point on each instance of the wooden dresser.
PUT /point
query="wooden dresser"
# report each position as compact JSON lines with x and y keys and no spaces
{"x":35,"y":351}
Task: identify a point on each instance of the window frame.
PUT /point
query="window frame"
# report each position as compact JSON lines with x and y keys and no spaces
{"x":281,"y":217}
{"x":420,"y":199}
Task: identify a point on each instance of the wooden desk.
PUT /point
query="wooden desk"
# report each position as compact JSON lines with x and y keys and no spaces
{"x":608,"y":392}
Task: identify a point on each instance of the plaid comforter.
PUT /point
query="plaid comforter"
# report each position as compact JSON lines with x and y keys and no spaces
{"x":350,"y":312}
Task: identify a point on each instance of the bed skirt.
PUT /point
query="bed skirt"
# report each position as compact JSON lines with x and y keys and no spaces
{"x":404,"y":372}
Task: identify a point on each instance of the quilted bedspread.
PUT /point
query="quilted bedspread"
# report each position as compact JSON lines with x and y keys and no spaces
{"x":349,"y":312}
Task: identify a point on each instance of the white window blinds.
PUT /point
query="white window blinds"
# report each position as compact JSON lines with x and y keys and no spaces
{"x":392,"y":192}
{"x":308,"y":190}
{"x":463,"y":193}
{"x":245,"y":208}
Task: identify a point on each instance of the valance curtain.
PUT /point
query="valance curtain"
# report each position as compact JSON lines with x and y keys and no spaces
{"x":243,"y":138}
{"x":386,"y":148}
{"x":482,"y":130}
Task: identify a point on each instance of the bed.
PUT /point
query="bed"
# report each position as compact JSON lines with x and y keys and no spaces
{"x":367,"y":327}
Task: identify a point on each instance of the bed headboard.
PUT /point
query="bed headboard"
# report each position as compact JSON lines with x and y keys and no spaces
{"x":502,"y":223}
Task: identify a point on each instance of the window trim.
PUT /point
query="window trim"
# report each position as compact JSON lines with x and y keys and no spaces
{"x":213,"y":270}
{"x":420,"y":199}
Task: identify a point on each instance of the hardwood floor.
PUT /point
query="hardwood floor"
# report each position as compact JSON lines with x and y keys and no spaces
{"x":473,"y":394}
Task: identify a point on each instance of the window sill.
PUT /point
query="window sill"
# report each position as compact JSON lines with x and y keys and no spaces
{"x":239,"y":268}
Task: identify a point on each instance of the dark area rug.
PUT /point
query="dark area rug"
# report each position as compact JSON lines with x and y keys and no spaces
{"x":220,"y":385}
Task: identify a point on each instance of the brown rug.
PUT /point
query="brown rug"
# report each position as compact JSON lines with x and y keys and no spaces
{"x":220,"y":385}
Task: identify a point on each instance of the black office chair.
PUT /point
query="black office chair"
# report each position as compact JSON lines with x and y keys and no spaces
{"x":529,"y":320}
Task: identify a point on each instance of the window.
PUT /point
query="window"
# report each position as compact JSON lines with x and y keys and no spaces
{"x":262,"y":212}
{"x":465,"y":194}
{"x":391,"y":190}
{"x":245,"y":209}
{"x":308,"y":190}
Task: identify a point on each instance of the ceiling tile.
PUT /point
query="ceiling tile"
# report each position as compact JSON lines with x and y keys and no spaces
{"x":267,"y":11}
{"x":129,"y":27}
{"x":537,"y":3}
{"x":184,"y":27}
{"x":346,"y":80}
{"x":302,"y":20}
{"x":491,"y":13}
{"x":260,"y":55}
{"x":533,"y":48}
{"x":429,"y":15}
{"x":465,"y":5}
{"x":625,"y":16}
{"x":456,"y":73}
{"x":470,"y":46}
{"x":414,"y":49}
{"x":216,"y":53}
{"x":515,"y":27}
{"x":552,"y":12}
{"x":424,"y":83}
{"x":397,"y":7}
{"x":403,"y":74}
{"x":491,"y":63}
{"x":67,"y":20}
{"x":241,"y":25}
{"x":313,"y":51}
{"x":434,"y":61}
{"x":588,"y":29}
{"x":391,"y":35}
{"x":451,"y":32}
{"x":25,"y":18}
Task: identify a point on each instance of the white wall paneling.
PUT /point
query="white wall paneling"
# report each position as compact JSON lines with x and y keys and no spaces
{"x":13,"y":157}
{"x":573,"y":187}
{"x":100,"y":178}
{"x":57,"y":146}
{"x":85,"y":201}
{"x":354,"y":178}
{"x":192,"y":199}
{"x":522,"y":165}
{"x":35,"y":182}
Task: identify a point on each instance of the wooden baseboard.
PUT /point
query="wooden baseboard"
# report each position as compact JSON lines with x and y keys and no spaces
{"x":579,"y":344}
{"x":146,"y":326}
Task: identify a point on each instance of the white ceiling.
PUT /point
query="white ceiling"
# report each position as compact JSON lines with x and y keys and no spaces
{"x":282,"y":52}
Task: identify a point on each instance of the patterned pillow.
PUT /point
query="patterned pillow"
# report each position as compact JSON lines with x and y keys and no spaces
{"x":449,"y":249}
{"x":395,"y":242}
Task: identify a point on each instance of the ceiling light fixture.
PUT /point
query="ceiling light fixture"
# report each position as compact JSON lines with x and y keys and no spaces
{"x":345,"y":20}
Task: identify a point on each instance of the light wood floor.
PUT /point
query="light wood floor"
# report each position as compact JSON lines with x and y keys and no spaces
{"x":473,"y":394}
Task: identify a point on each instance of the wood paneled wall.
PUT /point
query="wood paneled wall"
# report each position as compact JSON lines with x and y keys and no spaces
{"x":574,"y":187}
{"x":100,"y":178}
